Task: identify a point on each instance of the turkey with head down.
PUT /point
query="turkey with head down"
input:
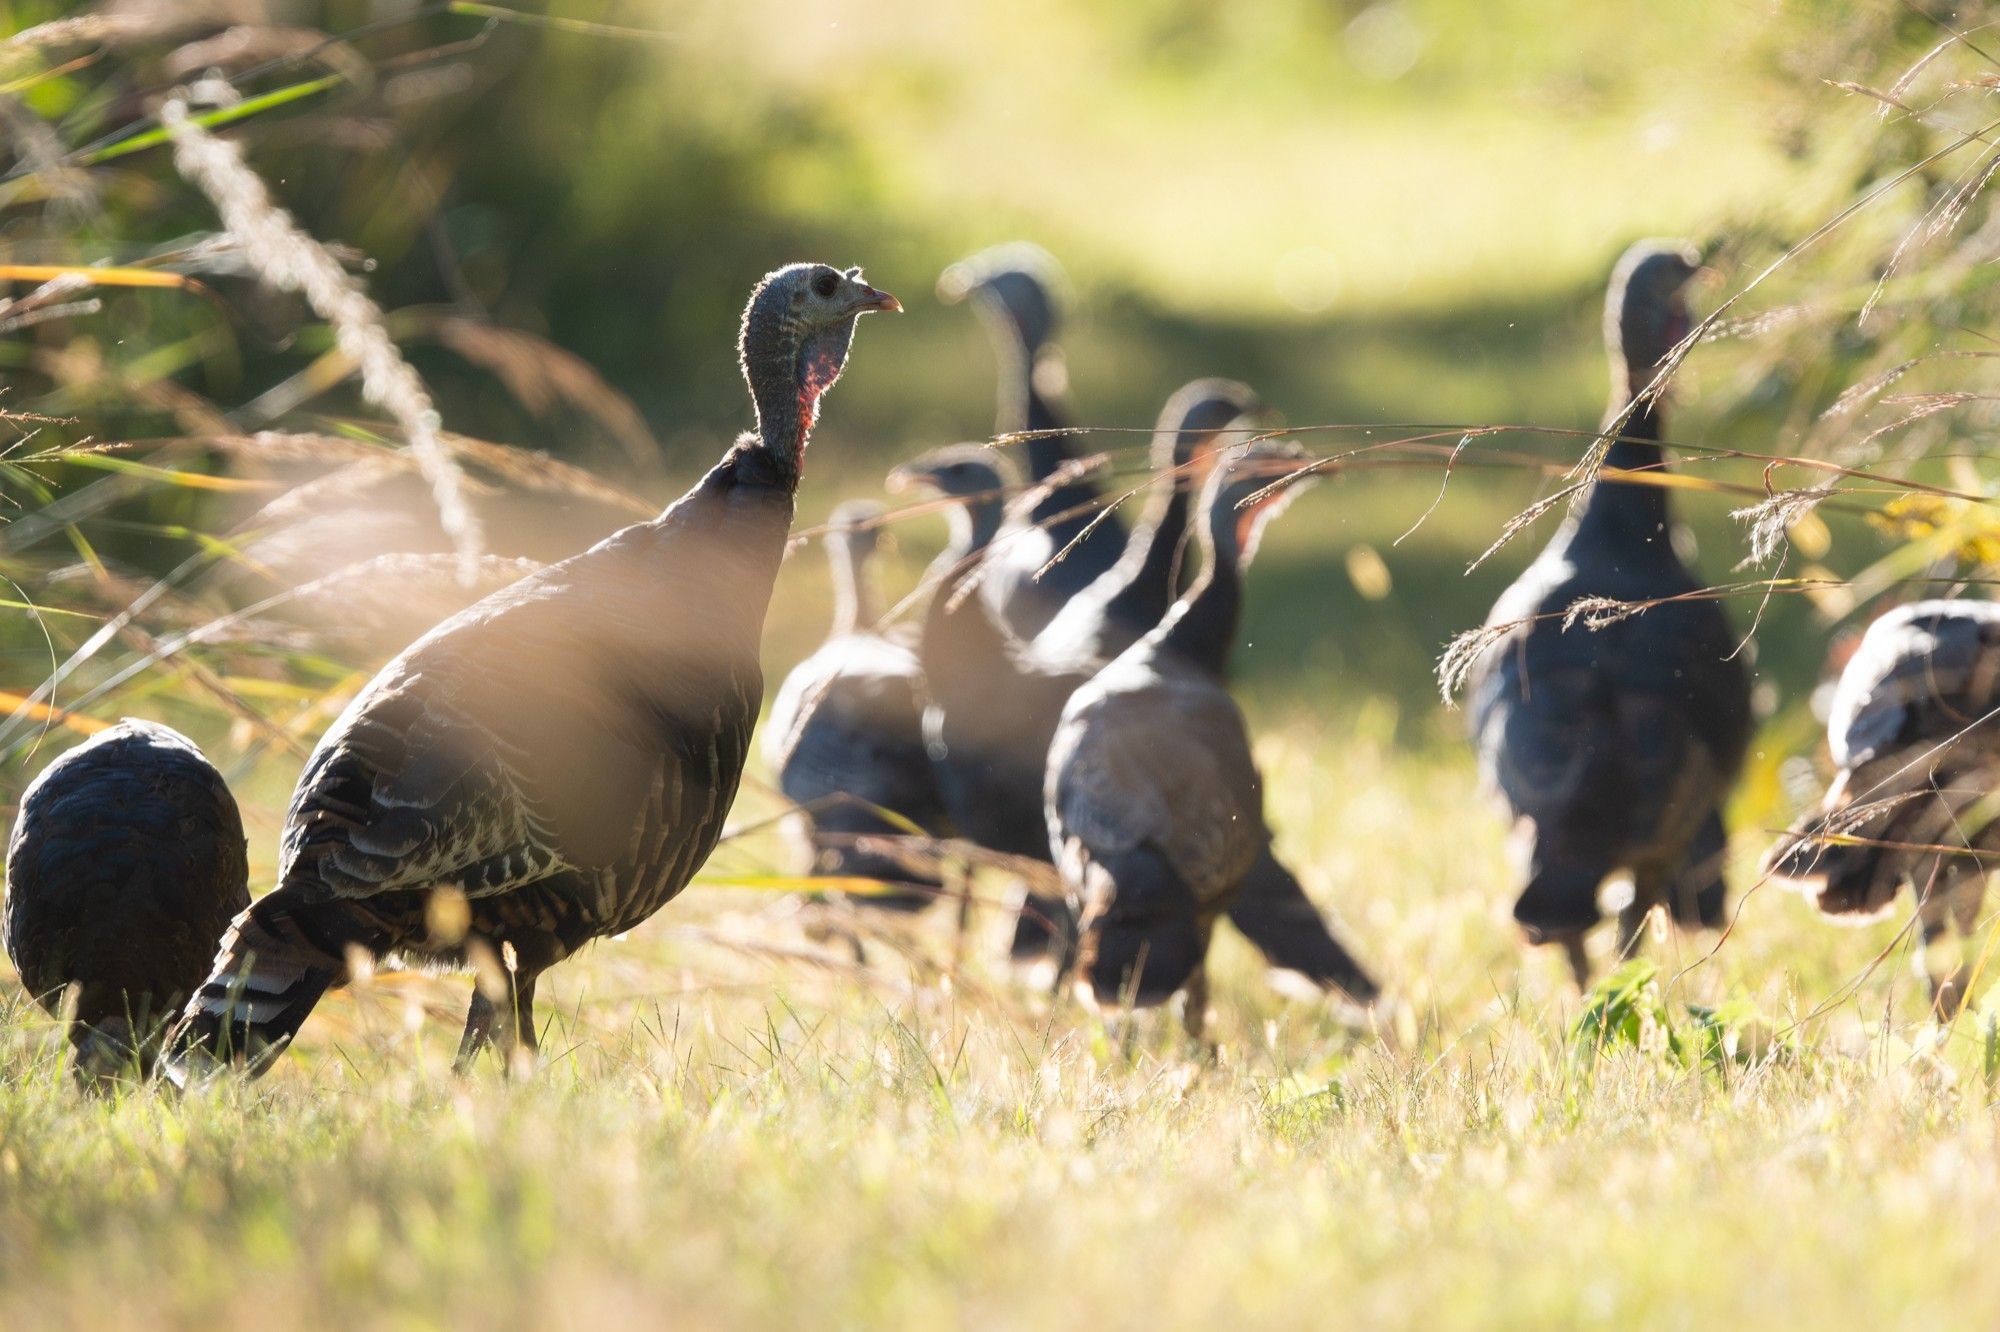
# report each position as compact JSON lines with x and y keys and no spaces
{"x":1914,"y":733}
{"x":126,"y":865}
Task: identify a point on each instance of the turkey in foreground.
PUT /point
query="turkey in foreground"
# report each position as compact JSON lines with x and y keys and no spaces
{"x":1154,"y":806}
{"x":1013,"y":287}
{"x":1615,"y":747}
{"x":846,"y":734}
{"x":554,"y":763}
{"x":1916,"y":749}
{"x":126,"y":864}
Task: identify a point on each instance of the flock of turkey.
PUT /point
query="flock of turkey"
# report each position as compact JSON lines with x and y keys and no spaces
{"x":555,"y":763}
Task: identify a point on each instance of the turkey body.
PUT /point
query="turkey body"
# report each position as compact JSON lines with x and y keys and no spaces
{"x":126,"y":864}
{"x":989,"y":705}
{"x":562,"y":753}
{"x":1153,"y":803}
{"x":1155,"y":812}
{"x":1618,"y":743}
{"x":846,"y":738}
{"x":1615,"y":747}
{"x":557,"y":760}
{"x":1914,"y":741}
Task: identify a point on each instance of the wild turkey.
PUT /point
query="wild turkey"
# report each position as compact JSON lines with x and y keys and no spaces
{"x":990,"y":706}
{"x":554,"y":763}
{"x":846,"y":733}
{"x":1916,"y":750}
{"x":1133,"y":595}
{"x":1153,"y":803}
{"x":1012,"y":287}
{"x":994,"y":706}
{"x":994,"y":700}
{"x":971,"y":667}
{"x":1272,"y":911}
{"x":126,"y":864}
{"x":1616,"y":747}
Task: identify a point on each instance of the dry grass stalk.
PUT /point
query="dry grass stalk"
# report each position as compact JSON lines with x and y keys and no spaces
{"x":364,"y":464}
{"x":1596,"y":613}
{"x":1463,"y":653}
{"x":534,"y":470}
{"x":287,"y":258}
{"x":49,"y":313}
{"x":399,"y":592}
{"x":40,"y":150}
{"x":539,"y":374}
{"x":82,"y":28}
{"x":248,"y":44}
{"x":1857,"y":394}
{"x":317,"y":496}
{"x":1771,"y":519}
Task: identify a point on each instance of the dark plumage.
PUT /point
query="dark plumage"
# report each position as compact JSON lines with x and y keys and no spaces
{"x":989,"y":707}
{"x":1616,"y":747}
{"x":1133,"y":595}
{"x":994,"y":704}
{"x":126,"y":864}
{"x":1154,"y":805}
{"x":845,"y":734}
{"x":562,"y":754}
{"x":1272,"y":910}
{"x":1916,"y":751}
{"x":1013,"y":288}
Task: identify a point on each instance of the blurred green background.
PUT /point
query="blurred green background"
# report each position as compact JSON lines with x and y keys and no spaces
{"x":1386,"y":212}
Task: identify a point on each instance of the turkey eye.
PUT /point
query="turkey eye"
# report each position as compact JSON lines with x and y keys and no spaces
{"x":823,"y":285}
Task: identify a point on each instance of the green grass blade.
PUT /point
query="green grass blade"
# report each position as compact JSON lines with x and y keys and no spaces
{"x":222,"y":115}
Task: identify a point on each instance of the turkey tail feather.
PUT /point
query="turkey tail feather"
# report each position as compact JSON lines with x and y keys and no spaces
{"x":270,"y":970}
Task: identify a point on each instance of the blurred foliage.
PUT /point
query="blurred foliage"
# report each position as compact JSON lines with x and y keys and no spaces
{"x":1214,"y":174}
{"x":1398,"y":211}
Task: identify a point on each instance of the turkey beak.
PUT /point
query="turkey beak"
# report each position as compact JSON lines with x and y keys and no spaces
{"x":868,"y":298}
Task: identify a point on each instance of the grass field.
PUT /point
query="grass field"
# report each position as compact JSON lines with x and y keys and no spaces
{"x":735,"y":1127}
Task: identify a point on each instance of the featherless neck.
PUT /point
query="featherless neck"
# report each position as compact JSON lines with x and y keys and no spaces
{"x":1640,"y":508}
{"x":855,"y":605}
{"x":1142,"y":582}
{"x":784,"y":420}
{"x":973,"y":526}
{"x":783,"y":389}
{"x":1202,"y":626}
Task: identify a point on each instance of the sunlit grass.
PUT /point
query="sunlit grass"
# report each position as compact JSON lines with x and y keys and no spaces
{"x":733,"y":1125}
